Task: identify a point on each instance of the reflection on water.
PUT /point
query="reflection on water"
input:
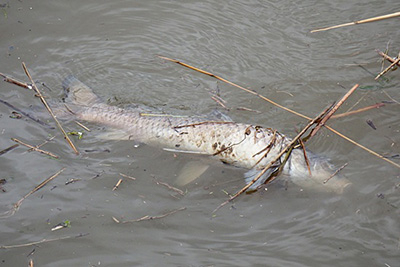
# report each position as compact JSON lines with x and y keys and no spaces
{"x":266,"y":46}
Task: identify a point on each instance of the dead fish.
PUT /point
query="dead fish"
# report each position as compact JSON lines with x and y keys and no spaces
{"x":243,"y":145}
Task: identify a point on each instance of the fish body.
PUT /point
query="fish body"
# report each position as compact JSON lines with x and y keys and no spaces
{"x":243,"y":145}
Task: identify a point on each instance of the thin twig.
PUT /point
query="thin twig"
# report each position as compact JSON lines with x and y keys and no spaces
{"x":219,"y":102}
{"x":42,"y":144}
{"x":377,"y":105}
{"x":170,"y":187}
{"x":14,"y":81}
{"x":336,"y":172}
{"x":280,"y":106}
{"x":305,"y":156}
{"x":19,"y":202}
{"x":388,"y":16}
{"x":149,"y":218}
{"x":388,"y":68}
{"x":30,"y":263}
{"x":49,"y":109}
{"x":248,"y":109}
{"x":35,"y":148}
{"x":271,"y":163}
{"x":333,"y":110}
{"x":127,"y":176}
{"x":41,"y":241}
{"x":83,"y":126}
{"x":8,"y":149}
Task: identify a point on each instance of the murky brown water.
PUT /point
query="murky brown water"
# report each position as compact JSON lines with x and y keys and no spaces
{"x":266,"y":46}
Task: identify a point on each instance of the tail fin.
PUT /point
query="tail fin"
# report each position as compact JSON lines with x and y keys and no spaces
{"x":78,"y":93}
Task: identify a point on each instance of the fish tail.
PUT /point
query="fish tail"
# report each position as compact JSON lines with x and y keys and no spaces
{"x":78,"y":93}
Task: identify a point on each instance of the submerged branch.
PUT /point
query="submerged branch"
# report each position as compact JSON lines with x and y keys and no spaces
{"x":26,"y":114}
{"x":8,"y":149}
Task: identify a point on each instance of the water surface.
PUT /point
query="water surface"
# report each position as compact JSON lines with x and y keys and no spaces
{"x":263,"y":45}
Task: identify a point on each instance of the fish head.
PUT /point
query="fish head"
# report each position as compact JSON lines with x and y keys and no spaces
{"x":321,"y":178}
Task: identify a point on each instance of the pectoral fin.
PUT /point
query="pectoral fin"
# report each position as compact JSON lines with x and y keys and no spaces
{"x":190,"y":172}
{"x":253,"y":173}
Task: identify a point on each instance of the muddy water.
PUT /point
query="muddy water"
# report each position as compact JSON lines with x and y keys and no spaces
{"x":266,"y":46}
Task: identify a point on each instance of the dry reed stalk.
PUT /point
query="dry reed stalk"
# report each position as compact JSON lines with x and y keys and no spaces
{"x":388,"y":16}
{"x":149,"y":218}
{"x":14,"y":81}
{"x":19,"y":202}
{"x":35,"y":148}
{"x":41,"y":241}
{"x":385,"y":56}
{"x":49,"y":109}
{"x":285,"y":108}
{"x":271,"y":163}
{"x":333,"y":110}
{"x":377,"y":105}
{"x":388,"y":68}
